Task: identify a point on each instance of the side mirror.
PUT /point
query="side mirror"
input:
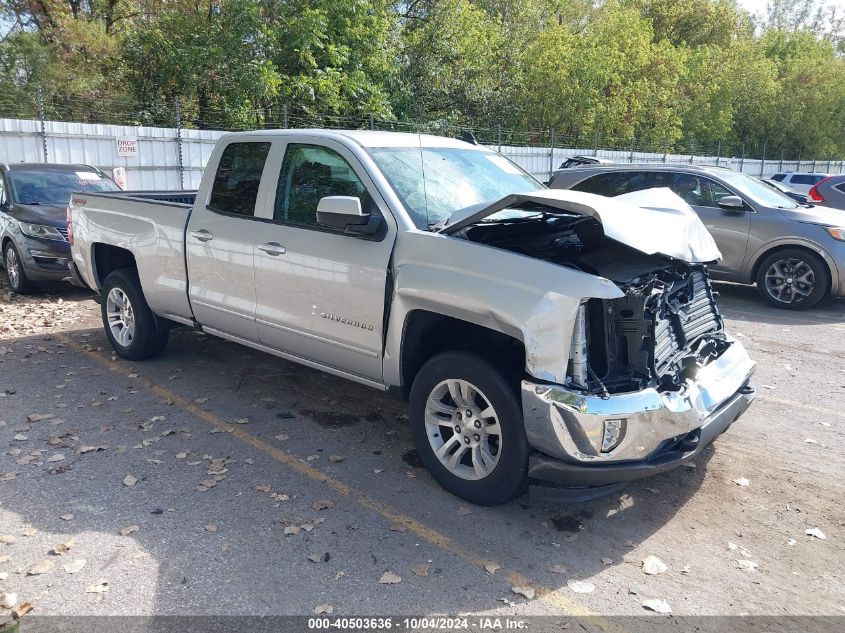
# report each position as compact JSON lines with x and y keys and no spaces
{"x":345,"y":213}
{"x":732,"y":203}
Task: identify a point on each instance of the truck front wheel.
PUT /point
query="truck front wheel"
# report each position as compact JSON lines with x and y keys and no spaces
{"x":129,"y":323}
{"x":467,"y":426}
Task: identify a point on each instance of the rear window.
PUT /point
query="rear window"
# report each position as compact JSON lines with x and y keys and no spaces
{"x":238,"y":177}
{"x":779,"y":177}
{"x":806,"y":179}
{"x":617,"y":183}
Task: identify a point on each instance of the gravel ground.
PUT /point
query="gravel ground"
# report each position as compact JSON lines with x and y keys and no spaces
{"x":220,"y":480}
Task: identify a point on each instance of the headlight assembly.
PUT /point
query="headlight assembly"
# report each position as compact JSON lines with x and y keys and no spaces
{"x":43,"y":232}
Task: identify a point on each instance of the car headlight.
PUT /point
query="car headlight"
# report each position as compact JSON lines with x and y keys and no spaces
{"x":836,"y":233}
{"x":44,"y":232}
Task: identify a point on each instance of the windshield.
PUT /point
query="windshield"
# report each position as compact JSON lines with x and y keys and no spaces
{"x":757,"y":191}
{"x":54,"y":187}
{"x":434,"y":182}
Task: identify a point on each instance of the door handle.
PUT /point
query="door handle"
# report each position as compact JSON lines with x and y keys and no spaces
{"x":272,"y":248}
{"x":202,"y":235}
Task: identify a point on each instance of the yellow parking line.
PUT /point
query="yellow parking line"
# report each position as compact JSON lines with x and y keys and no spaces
{"x":543,"y":594}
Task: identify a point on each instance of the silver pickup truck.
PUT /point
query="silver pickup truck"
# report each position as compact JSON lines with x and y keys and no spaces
{"x":553,"y":337}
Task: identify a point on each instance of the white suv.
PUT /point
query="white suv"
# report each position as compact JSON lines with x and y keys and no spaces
{"x":800,"y":181}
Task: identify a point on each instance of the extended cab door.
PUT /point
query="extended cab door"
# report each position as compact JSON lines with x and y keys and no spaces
{"x":220,"y":241}
{"x":320,"y":293}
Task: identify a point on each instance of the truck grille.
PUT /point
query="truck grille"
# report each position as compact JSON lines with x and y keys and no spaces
{"x":688,"y":313}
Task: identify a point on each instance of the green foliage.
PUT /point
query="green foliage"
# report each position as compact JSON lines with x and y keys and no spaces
{"x":648,"y":73}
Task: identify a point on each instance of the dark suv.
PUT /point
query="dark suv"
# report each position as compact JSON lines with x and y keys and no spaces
{"x":794,"y":253}
{"x":33,"y":221}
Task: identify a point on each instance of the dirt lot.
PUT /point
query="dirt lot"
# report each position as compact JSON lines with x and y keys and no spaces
{"x":219,"y":480}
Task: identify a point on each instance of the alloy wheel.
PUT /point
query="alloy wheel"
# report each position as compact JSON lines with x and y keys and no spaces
{"x":790,"y":280}
{"x":121,"y":317}
{"x":13,"y":267}
{"x":463,"y":429}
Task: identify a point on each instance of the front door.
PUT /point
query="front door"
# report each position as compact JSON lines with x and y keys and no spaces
{"x":220,"y":243}
{"x":320,"y":294}
{"x":729,"y":227}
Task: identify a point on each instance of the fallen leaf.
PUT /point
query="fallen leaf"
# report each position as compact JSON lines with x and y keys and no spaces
{"x":263,"y":488}
{"x":282,"y":437}
{"x":7,"y":539}
{"x":420,"y":570}
{"x":200,"y":400}
{"x":390,"y":578}
{"x":126,"y":531}
{"x":58,"y":457}
{"x":491,"y":568}
{"x":12,"y":474}
{"x":60,"y":549}
{"x":211,"y":527}
{"x":525,"y":592}
{"x":41,"y":567}
{"x":742,"y":481}
{"x":658,"y":605}
{"x":336,"y":458}
{"x":38,"y":417}
{"x":29,"y":531}
{"x":101,"y":586}
{"x":129,"y":480}
{"x":74,"y":566}
{"x":242,"y":421}
{"x":292,"y":530}
{"x":8,"y":600}
{"x":319,"y":558}
{"x":323,"y":609}
{"x":20,"y":437}
{"x":581,"y":586}
{"x":748,"y":565}
{"x":653,"y":566}
{"x":558,"y":569}
{"x":22,"y":610}
{"x":816,"y":533}
{"x":606,"y":561}
{"x":463,"y":511}
{"x":323,"y":504}
{"x":182,"y":455}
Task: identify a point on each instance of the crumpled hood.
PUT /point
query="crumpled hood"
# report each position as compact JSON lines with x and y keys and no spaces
{"x":653,"y":221}
{"x":44,"y":214}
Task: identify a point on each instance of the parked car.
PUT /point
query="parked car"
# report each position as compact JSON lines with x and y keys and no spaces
{"x":33,"y":223}
{"x":795,"y":254}
{"x":578,"y":161}
{"x":800,"y":198}
{"x":799,"y":181}
{"x":534,"y":332}
{"x":829,"y":192}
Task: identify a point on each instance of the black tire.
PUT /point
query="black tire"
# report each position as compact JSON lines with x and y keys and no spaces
{"x":147,"y":340}
{"x":790,"y":295}
{"x":508,"y":477}
{"x":18,"y":282}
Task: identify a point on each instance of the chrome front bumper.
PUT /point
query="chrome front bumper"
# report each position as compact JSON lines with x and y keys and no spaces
{"x":569,"y":426}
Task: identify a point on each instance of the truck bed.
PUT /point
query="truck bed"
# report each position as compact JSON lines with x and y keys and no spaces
{"x":149,"y":224}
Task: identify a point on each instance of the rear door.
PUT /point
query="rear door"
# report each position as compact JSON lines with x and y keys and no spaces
{"x":320,"y":294}
{"x":729,"y":227}
{"x":221,"y":238}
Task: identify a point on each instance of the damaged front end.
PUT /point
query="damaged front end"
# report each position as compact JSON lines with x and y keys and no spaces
{"x":652,"y":377}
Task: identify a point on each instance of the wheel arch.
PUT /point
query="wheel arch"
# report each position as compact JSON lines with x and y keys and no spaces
{"x":107,"y":258}
{"x":762,"y":253}
{"x":426,"y":333}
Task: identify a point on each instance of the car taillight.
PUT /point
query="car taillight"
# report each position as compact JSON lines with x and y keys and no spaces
{"x":814,"y":194}
{"x":69,"y":217}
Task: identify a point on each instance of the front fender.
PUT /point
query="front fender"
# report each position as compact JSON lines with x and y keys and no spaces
{"x":751,"y":262}
{"x":528,"y":299}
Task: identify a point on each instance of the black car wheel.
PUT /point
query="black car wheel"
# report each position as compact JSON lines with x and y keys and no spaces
{"x":18,"y":281}
{"x":129,"y":323}
{"x":793,"y":278}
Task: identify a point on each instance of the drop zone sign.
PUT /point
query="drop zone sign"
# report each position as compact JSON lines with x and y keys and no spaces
{"x":127,"y":147}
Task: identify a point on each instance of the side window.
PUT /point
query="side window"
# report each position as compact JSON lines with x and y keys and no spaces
{"x":312,"y":172}
{"x":618,"y":182}
{"x":806,"y":179}
{"x":697,"y":191}
{"x":779,"y":177}
{"x":840,"y":187}
{"x":238,"y":177}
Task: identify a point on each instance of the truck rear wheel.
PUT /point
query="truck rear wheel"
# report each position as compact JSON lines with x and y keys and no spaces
{"x":129,"y":323}
{"x":467,"y":426}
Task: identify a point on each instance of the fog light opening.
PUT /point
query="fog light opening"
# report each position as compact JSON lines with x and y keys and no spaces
{"x":614,"y":431}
